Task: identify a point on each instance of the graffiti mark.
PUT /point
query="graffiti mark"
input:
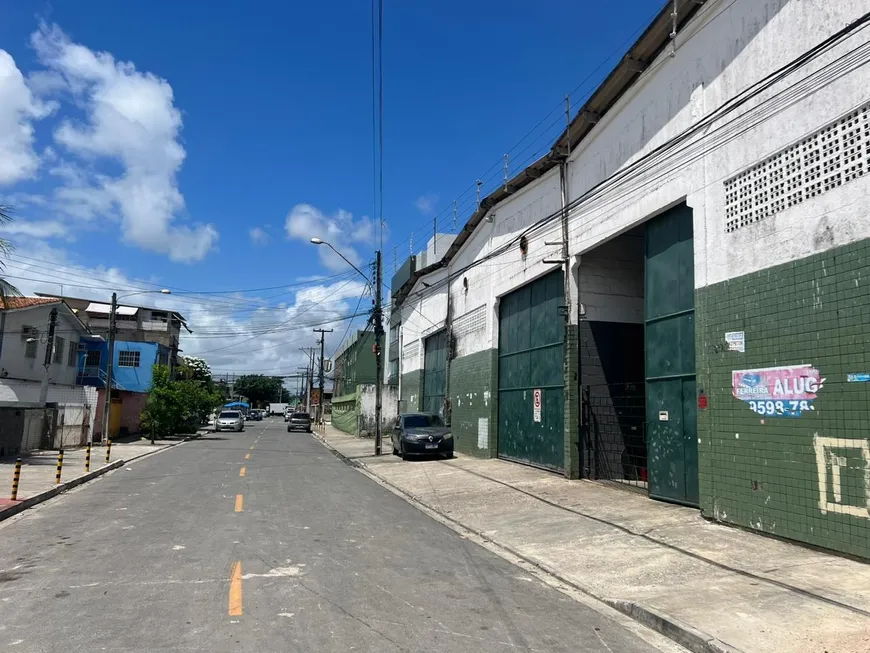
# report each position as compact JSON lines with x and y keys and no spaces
{"x":831,"y":464}
{"x":786,"y":391}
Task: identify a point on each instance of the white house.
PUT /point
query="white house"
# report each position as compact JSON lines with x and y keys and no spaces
{"x":24,"y":326}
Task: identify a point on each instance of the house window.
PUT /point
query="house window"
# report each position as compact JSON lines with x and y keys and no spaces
{"x":58,"y":349}
{"x":31,"y":341}
{"x":128,"y":359}
{"x":73,"y":357}
{"x":93,"y":358}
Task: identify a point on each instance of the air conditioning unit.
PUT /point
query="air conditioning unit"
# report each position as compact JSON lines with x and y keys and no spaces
{"x":29,"y":332}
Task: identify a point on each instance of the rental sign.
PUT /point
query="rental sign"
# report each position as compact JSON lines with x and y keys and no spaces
{"x":778,"y":391}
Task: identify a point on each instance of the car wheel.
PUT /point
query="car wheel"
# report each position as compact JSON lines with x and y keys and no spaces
{"x":448,"y":455}
{"x":395,"y":451}
{"x":288,"y":429}
{"x":403,"y":454}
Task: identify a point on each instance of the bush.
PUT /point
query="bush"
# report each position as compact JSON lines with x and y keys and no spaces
{"x":174,"y":405}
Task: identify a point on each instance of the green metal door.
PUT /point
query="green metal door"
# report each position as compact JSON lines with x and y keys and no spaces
{"x":435,"y":373}
{"x":530,"y":363}
{"x":671,"y":414}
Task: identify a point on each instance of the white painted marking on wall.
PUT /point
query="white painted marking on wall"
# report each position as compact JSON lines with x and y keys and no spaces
{"x":826,"y":459}
{"x":482,"y":432}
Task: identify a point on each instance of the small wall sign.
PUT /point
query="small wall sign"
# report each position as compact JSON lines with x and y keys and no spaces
{"x":736,"y":341}
{"x":663,"y":416}
{"x":536,"y":405}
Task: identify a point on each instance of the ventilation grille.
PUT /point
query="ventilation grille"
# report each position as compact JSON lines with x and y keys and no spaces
{"x":411,"y":351}
{"x":471,"y":322}
{"x":822,"y":161}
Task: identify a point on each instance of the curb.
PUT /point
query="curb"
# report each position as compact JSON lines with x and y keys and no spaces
{"x":29,"y":502}
{"x":683,"y":634}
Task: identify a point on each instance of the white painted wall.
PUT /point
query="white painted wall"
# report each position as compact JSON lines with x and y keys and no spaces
{"x":722,"y":52}
{"x":423,"y":313}
{"x":12,"y":358}
{"x":730,"y":45}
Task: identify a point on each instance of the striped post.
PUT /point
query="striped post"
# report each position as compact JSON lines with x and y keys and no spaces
{"x":16,"y":475}
{"x":88,"y":459}
{"x":59,"y":466}
{"x":108,"y":450}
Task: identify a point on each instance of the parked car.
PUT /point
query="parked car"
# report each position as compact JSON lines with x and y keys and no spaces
{"x":421,"y":434}
{"x":287,"y":413}
{"x":255,"y":415}
{"x":299,"y":422}
{"x":230,"y":420}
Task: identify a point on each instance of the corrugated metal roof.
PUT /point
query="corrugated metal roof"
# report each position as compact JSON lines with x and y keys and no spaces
{"x":106,"y":309}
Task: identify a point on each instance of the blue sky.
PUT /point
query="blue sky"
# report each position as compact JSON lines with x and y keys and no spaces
{"x":171,"y":141}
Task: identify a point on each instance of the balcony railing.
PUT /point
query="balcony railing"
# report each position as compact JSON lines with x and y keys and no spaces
{"x":95,"y":376}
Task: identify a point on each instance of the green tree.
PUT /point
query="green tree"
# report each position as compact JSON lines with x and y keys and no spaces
{"x":6,"y":247}
{"x":175,"y":406}
{"x":259,"y":389}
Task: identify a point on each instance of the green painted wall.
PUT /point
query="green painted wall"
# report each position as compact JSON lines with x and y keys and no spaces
{"x":357,"y":363}
{"x":473,"y":397}
{"x":409,"y":400}
{"x":345,"y":413}
{"x":804,"y":478}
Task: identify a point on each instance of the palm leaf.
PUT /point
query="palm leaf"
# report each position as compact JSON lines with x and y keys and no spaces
{"x":6,"y":248}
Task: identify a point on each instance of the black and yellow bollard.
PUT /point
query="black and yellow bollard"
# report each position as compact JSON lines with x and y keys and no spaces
{"x":16,"y":475}
{"x":59,"y":466}
{"x":88,"y":459}
{"x":108,"y":449}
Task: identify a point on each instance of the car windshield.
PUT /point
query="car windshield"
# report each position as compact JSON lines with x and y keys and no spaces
{"x":230,"y":414}
{"x":299,"y":416}
{"x":418,"y":421}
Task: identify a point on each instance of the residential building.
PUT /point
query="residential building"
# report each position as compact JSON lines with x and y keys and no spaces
{"x":132,"y":372}
{"x":675,"y":296}
{"x":133,"y":323}
{"x":24,"y":328}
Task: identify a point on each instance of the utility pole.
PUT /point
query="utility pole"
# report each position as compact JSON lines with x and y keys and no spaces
{"x":107,"y":406}
{"x":49,"y":351}
{"x":320,"y":402}
{"x":379,"y":359}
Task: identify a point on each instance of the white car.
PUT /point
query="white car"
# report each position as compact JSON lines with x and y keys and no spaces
{"x":230,"y":420}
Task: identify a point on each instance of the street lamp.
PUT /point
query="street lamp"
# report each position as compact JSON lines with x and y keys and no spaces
{"x":379,"y":332}
{"x":107,"y":407}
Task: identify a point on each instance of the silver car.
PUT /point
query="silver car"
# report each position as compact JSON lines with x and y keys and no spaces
{"x":229,"y":420}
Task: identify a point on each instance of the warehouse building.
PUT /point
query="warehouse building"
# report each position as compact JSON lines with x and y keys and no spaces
{"x":676,"y":297}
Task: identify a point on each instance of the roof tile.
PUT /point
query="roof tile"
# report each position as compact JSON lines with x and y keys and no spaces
{"x":26,"y":302}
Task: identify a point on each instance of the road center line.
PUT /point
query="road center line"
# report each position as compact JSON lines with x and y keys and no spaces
{"x":236,"y":590}
{"x":242,"y":471}
{"x":239,"y":502}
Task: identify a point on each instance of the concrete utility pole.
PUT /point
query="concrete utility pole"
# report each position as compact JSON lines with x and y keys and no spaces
{"x":107,"y":406}
{"x":320,"y":402}
{"x":49,"y":351}
{"x":379,"y":359}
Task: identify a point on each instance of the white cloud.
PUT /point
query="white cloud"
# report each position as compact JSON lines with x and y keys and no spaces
{"x":130,"y":119}
{"x":426,"y":203}
{"x":258,"y":235}
{"x":18,"y":110}
{"x":37,"y":229}
{"x":341,"y":230}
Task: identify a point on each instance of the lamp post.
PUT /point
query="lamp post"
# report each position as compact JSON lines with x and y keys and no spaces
{"x":107,"y":406}
{"x":379,"y":333}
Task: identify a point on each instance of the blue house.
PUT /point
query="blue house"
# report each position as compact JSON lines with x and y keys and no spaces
{"x":132,"y":371}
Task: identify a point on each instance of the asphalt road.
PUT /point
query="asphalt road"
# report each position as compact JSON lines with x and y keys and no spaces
{"x":181,"y":552}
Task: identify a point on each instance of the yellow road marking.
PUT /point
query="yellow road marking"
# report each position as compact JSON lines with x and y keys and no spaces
{"x":247,"y":456}
{"x":242,"y":471}
{"x":239,"y":502}
{"x":236,"y":590}
{"x":252,"y":447}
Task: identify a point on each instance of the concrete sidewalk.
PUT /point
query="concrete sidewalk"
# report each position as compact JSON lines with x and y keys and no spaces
{"x":38,"y":470}
{"x":710,"y":587}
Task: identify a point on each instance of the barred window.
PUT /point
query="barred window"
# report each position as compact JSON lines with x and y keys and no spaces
{"x":58,"y":349}
{"x":128,"y":359}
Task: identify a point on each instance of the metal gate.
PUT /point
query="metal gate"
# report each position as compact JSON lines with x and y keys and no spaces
{"x":530,"y":374}
{"x":614,"y":434}
{"x":435,"y":373}
{"x":669,"y":298}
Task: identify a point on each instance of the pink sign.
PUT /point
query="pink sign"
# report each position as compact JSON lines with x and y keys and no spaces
{"x":778,"y":391}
